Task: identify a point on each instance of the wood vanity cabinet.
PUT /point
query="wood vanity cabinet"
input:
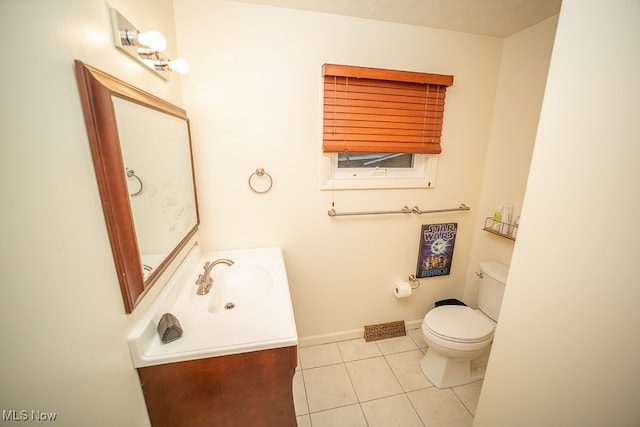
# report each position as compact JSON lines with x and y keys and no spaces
{"x":246,"y":389}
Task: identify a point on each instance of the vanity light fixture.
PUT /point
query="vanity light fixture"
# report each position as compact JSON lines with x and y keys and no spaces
{"x":178,"y":65}
{"x":158,"y":62}
{"x":153,"y":40}
{"x":146,"y":47}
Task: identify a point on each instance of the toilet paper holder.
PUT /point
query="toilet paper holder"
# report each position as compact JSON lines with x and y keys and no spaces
{"x":414,"y":282}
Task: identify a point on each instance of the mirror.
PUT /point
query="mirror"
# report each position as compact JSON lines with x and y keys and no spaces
{"x":141,"y":149}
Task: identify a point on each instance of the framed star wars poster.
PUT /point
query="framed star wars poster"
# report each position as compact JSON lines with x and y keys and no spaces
{"x":436,"y":249}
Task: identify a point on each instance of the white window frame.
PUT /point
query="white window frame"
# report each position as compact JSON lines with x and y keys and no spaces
{"x":421,"y":175}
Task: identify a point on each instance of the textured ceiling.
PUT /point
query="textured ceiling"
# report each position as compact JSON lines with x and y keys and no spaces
{"x":499,"y":18}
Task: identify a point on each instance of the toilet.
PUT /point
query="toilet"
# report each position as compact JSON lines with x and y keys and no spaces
{"x":460,"y":337}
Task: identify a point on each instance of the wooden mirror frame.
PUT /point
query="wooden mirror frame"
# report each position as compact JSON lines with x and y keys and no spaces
{"x":96,"y":91}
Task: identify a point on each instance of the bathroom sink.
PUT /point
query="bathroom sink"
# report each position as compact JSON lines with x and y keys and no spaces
{"x":246,"y":281}
{"x":239,"y":286}
{"x":247,"y":309}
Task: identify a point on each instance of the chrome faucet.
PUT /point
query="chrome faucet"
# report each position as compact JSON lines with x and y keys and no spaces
{"x":205,"y":281}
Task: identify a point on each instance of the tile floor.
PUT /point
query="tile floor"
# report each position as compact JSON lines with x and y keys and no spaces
{"x":378,"y":383}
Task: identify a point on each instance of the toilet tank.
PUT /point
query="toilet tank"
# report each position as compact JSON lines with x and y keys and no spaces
{"x":491,"y":287}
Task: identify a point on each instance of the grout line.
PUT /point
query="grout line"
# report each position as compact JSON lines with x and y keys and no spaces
{"x":453,"y":389}
{"x":306,"y":396}
{"x":359,"y":402}
{"x":406,"y":393}
{"x":416,"y":409}
{"x":383,"y":397}
{"x":463,"y":404}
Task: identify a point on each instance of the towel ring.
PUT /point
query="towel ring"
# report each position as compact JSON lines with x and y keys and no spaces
{"x":132,"y":174}
{"x":260,"y":172}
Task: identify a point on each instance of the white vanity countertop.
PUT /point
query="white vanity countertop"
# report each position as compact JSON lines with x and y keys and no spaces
{"x":258,"y":321}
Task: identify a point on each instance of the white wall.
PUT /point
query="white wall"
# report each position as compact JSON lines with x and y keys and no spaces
{"x":523,"y":73}
{"x":64,"y":329}
{"x":60,"y":303}
{"x":567,"y":346}
{"x":254,"y":96}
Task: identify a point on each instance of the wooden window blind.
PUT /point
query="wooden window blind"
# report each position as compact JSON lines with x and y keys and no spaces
{"x":371,"y":110}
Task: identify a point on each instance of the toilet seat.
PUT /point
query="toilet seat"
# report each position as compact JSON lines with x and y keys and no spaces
{"x":459,"y":324}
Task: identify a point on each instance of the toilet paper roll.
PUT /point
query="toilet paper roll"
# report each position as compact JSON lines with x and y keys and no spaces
{"x":402,"y":290}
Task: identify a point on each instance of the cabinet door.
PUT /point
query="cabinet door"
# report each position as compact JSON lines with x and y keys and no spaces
{"x":247,"y":389}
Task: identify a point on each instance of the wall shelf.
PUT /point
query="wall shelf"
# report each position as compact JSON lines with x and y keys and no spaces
{"x":502,"y":229}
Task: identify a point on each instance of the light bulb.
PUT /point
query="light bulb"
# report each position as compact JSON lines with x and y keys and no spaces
{"x":179,"y":65}
{"x":153,"y":39}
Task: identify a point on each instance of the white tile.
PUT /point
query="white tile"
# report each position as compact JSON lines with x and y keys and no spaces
{"x":469,"y":394}
{"x":394,"y":411}
{"x":333,"y":378}
{"x":328,"y":387}
{"x":304,"y":421}
{"x":406,"y":367}
{"x":319,"y":355}
{"x":372,"y":378}
{"x":346,"y":416}
{"x":299,"y":394}
{"x":417,"y":337}
{"x":358,"y":349}
{"x":440,"y":407}
{"x":396,"y":345}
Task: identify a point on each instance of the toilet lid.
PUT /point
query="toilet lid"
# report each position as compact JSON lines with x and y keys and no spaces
{"x":459,"y":323}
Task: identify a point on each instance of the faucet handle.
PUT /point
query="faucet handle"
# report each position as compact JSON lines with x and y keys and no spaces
{"x":200,"y":279}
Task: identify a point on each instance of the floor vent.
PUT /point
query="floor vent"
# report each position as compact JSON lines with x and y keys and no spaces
{"x":384,"y":330}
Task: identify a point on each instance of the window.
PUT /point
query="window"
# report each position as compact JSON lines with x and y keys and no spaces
{"x":381,"y":128}
{"x":375,"y":160}
{"x":421,"y":173}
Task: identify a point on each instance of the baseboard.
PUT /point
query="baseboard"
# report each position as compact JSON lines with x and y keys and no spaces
{"x":346,"y":335}
{"x":414,"y":324}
